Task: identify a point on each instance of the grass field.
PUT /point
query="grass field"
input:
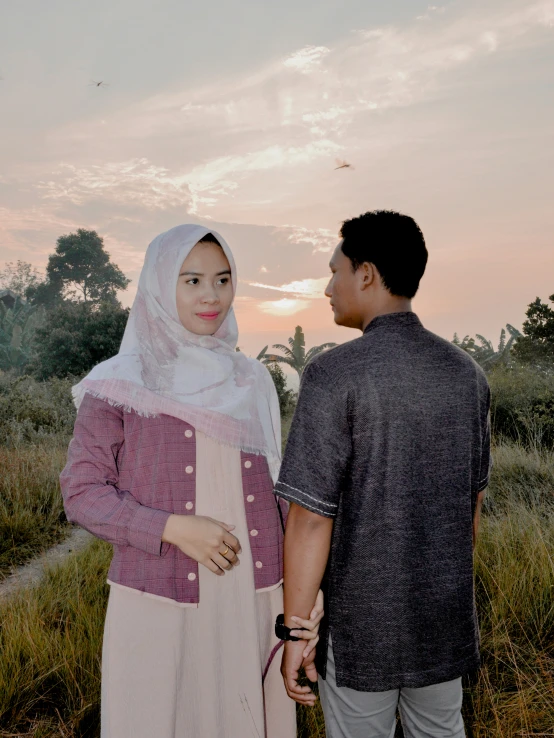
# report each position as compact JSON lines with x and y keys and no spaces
{"x":50,"y":639}
{"x":31,"y":510}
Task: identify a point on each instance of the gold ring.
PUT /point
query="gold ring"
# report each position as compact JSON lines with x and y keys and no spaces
{"x":226,"y":551}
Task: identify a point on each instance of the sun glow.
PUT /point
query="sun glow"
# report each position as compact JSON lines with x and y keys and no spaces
{"x":285,"y":306}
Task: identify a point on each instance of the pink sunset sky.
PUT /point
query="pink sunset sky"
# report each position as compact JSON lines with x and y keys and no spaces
{"x":233,"y":115}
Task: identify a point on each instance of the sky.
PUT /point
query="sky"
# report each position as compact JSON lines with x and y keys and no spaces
{"x":235,"y":114}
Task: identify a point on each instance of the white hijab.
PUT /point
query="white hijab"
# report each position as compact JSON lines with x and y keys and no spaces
{"x":164,"y":369}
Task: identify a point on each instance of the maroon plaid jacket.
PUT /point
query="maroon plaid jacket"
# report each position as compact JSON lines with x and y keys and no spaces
{"x":124,"y":477}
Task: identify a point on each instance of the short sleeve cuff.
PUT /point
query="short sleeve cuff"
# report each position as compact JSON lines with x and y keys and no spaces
{"x":484,"y":483}
{"x":306,"y":500}
{"x":146,"y":530}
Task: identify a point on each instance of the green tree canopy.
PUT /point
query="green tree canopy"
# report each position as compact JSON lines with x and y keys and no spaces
{"x":295,"y":354}
{"x":76,"y":336}
{"x":536,"y":346}
{"x":80,"y":270}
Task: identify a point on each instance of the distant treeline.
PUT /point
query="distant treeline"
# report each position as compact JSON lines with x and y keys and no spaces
{"x":58,"y":325}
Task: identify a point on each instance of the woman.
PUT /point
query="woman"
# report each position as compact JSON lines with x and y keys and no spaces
{"x":176,"y":447}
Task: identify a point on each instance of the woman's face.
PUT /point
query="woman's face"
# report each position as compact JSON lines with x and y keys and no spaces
{"x":204,"y":289}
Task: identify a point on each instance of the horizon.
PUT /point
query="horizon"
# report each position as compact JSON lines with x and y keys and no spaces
{"x":443,"y":112}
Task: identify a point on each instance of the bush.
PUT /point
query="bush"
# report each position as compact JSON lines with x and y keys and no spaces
{"x":522,"y":407}
{"x":31,"y":410}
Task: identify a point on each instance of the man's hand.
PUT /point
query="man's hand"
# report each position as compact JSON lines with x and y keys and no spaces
{"x":292,"y":662}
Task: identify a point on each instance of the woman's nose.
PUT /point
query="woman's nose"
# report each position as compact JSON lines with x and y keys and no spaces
{"x":210,"y":298}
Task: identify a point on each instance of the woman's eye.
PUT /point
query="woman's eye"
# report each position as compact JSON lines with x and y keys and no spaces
{"x":224,"y":280}
{"x":194,"y":280}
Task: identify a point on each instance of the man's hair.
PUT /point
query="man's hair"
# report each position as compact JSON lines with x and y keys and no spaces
{"x":393,"y":243}
{"x":209,"y":238}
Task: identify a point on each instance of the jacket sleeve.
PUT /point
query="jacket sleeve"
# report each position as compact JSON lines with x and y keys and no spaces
{"x":89,"y":483}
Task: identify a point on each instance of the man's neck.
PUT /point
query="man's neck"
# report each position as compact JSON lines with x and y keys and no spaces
{"x":390,"y":304}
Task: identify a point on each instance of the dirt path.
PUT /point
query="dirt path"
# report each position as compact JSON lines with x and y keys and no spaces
{"x":32,"y":572}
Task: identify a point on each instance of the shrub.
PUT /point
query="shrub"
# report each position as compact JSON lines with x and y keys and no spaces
{"x":31,"y":410}
{"x":522,"y":407}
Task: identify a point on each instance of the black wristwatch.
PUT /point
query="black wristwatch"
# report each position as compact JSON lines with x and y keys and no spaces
{"x":282,"y":632}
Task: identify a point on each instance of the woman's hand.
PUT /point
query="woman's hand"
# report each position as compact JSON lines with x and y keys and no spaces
{"x":311,"y":634}
{"x":208,"y":541}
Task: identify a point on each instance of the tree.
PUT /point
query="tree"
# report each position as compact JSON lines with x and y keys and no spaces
{"x":296,"y":356}
{"x":485,"y":354}
{"x":18,"y":326}
{"x":80,"y":269}
{"x":536,"y":346}
{"x":19,"y":277}
{"x":76,"y":336}
{"x":286,"y":396}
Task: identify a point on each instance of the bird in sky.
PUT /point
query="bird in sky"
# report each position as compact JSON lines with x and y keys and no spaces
{"x":98,"y":84}
{"x":343,"y":165}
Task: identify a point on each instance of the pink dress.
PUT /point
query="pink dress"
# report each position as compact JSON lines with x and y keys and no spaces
{"x":209,"y":671}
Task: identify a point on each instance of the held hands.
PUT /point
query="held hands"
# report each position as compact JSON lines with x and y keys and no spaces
{"x":311,"y":632}
{"x":296,"y":656}
{"x":208,"y":541}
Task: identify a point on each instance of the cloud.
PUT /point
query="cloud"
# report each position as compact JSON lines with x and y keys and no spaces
{"x":490,"y":40}
{"x":322,"y":239}
{"x":312,"y":289}
{"x":213,"y":150}
{"x":431,"y":10}
{"x":283,"y":307}
{"x":137,"y":181}
{"x":307,"y":59}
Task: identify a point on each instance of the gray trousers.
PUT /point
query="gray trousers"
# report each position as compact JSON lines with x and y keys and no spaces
{"x":427,"y":712}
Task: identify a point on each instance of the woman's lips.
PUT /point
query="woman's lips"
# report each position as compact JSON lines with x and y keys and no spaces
{"x":208,"y":316}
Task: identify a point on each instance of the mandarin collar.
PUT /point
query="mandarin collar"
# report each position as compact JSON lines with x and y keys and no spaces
{"x":393,"y":319}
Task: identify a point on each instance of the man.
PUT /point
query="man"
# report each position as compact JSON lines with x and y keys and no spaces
{"x":385,"y":469}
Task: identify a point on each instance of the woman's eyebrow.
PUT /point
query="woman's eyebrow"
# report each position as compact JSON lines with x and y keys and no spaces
{"x":199,"y":274}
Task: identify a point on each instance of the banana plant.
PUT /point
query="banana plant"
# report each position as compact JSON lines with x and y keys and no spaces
{"x":18,"y":325}
{"x":295,"y":354}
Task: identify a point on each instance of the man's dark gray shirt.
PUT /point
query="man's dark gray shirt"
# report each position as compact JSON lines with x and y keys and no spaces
{"x":391,"y":438}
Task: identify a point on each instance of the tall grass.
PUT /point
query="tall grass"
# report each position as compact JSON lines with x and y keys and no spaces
{"x":31,"y":509}
{"x":50,"y":641}
{"x":514,"y":693}
{"x":50,"y":637}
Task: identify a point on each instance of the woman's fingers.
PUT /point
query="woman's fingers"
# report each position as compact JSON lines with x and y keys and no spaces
{"x":310,"y":625}
{"x":233,"y":543}
{"x":222,"y":562}
{"x":231,"y":556}
{"x":310,"y":648}
{"x":212,"y":566}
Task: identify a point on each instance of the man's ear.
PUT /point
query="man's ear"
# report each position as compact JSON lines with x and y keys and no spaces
{"x":368,"y":275}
